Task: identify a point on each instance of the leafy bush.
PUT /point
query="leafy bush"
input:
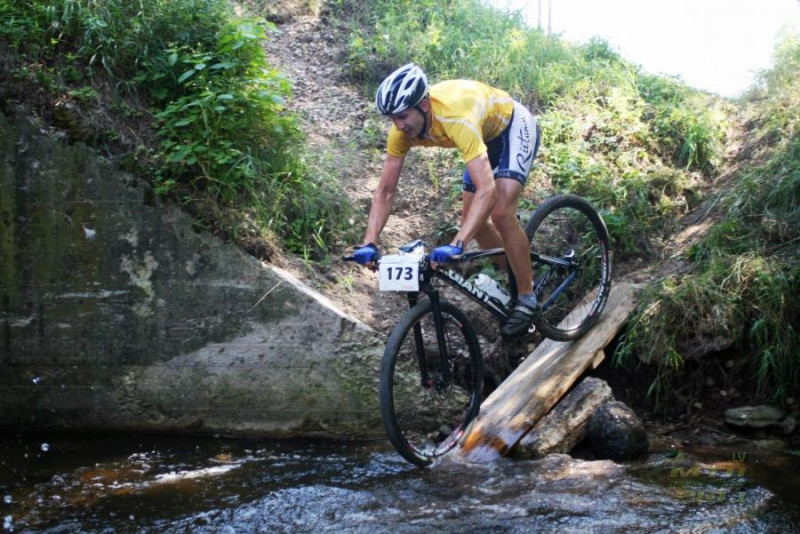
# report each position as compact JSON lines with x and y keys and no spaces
{"x":113,"y":34}
{"x":227,"y":120}
{"x":227,"y":147}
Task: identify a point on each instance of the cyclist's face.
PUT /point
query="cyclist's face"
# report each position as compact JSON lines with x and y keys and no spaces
{"x":410,"y":122}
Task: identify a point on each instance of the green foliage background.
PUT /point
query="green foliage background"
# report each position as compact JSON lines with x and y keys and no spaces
{"x":643,"y":148}
{"x":744,"y":279}
{"x":636,"y":145}
{"x":215,"y":135}
{"x":198,"y":75}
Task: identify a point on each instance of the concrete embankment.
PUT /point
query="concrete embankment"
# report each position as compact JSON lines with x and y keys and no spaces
{"x":117,"y":313}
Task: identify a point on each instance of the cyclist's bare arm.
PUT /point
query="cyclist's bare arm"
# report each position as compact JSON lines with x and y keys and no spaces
{"x":480,"y":171}
{"x":383,"y":198}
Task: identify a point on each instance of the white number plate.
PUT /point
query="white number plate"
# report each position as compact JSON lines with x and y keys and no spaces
{"x":399,"y":272}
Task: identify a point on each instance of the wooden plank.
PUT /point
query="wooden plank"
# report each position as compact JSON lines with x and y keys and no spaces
{"x":540,"y":381}
{"x":598,"y":358}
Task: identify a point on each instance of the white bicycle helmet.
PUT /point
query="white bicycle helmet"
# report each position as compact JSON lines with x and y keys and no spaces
{"x":402,"y":89}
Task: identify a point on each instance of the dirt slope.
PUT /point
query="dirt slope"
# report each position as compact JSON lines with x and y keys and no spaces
{"x":346,"y":134}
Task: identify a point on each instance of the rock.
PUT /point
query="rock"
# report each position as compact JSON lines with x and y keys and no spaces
{"x":565,"y":425}
{"x":616,"y":433}
{"x":754,"y":416}
{"x":789,"y":425}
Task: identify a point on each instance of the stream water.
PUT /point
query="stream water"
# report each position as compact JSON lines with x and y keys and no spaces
{"x":132,"y":483}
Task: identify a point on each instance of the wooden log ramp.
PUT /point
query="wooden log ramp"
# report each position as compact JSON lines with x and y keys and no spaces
{"x":540,"y":381}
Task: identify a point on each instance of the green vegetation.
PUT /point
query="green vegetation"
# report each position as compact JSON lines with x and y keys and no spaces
{"x":744,"y":281}
{"x":198,"y":77}
{"x":193,"y":81}
{"x":642,"y":148}
{"x":635,"y":144}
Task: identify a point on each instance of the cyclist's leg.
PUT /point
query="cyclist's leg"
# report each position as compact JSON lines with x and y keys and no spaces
{"x":515,"y":149}
{"x":511,"y":155}
{"x":520,"y":143}
{"x":487,"y":235}
{"x":504,"y":217}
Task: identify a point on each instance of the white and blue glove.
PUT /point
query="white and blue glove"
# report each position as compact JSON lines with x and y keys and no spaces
{"x":366,"y":254}
{"x":445,"y":253}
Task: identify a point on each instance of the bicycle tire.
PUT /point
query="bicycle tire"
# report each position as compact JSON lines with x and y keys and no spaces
{"x":561,"y":224}
{"x":424,"y":421}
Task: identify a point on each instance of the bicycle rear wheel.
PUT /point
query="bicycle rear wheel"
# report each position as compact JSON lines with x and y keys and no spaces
{"x":573,"y":277}
{"x":423,"y":412}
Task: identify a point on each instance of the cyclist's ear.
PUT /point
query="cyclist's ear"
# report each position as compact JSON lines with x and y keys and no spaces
{"x":425,"y":103}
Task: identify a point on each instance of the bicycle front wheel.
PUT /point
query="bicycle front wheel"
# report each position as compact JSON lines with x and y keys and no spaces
{"x":572,"y":276}
{"x":428,"y":397}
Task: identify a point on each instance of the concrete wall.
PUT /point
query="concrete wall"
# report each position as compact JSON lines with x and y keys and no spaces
{"x":116,"y":313}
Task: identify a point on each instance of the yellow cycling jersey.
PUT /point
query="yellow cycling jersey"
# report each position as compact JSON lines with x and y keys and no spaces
{"x":466,"y":115}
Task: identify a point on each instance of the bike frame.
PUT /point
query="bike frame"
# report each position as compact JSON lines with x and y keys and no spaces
{"x":458,"y":281}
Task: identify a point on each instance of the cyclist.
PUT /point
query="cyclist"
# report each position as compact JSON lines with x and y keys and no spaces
{"x":498,"y":139}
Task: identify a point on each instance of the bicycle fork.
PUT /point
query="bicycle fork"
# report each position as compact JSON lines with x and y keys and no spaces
{"x":425,"y":378}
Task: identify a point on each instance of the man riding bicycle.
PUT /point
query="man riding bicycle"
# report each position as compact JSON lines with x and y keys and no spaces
{"x":498,"y":139}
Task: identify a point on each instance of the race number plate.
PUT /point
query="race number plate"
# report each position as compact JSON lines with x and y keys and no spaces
{"x":399,"y":272}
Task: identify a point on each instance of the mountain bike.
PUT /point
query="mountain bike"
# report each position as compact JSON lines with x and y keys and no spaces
{"x":432,"y":371}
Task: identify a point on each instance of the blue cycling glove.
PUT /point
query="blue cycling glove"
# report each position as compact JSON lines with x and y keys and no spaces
{"x":366,"y":254}
{"x":445,"y":253}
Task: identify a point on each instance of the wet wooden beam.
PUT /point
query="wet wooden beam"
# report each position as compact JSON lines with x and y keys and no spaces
{"x":541,"y":380}
{"x":565,"y":425}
